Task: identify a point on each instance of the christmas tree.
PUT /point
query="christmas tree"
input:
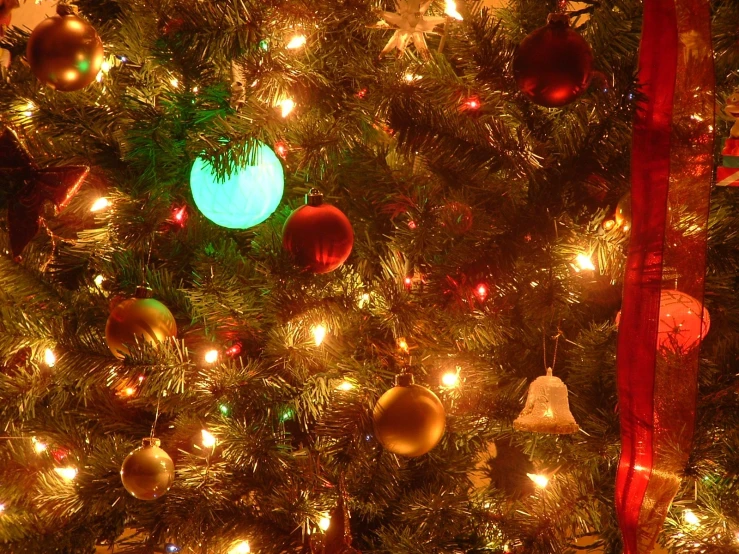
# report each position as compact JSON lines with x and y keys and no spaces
{"x":236,"y":232}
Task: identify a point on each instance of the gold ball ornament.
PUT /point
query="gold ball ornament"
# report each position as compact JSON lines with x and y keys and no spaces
{"x":138,"y":319}
{"x":409,"y":419}
{"x":65,"y":52}
{"x":148,"y":472}
{"x":623,"y":213}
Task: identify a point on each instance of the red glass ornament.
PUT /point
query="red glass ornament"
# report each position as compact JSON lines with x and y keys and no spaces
{"x":554,"y":64}
{"x":680,"y":326}
{"x":319,"y":236}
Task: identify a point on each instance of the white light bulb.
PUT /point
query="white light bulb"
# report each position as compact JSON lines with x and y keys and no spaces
{"x":100,"y":204}
{"x":286,"y":105}
{"x":691,"y":519}
{"x":241,"y":547}
{"x":38,"y":446}
{"x":324,"y":522}
{"x":319,"y":334}
{"x":450,"y":379}
{"x":66,"y":473}
{"x":297,"y":41}
{"x":584,"y":262}
{"x":208,"y":440}
{"x":345,"y":386}
{"x":540,"y":481}
{"x":211,"y":356}
{"x":49,"y":357}
{"x":451,"y":10}
{"x":99,"y":280}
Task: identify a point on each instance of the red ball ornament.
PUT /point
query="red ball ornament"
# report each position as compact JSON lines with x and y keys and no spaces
{"x":680,"y":325}
{"x":553,"y":65}
{"x":64,"y":51}
{"x":319,"y":236}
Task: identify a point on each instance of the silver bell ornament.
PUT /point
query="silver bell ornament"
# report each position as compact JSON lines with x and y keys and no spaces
{"x":547,"y":408}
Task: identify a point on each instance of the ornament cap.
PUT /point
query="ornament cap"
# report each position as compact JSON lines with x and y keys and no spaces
{"x":143,"y":291}
{"x":562,"y":19}
{"x":65,"y":9}
{"x":314,"y":197}
{"x":148,"y":442}
{"x":404,"y":380}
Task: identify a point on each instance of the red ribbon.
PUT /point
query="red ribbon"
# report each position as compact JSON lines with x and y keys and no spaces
{"x":672,"y":164}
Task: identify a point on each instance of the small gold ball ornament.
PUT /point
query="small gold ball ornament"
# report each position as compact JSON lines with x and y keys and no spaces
{"x":623,"y":213}
{"x":139,"y":318}
{"x":148,"y":472}
{"x":409,"y":419}
{"x":64,"y":51}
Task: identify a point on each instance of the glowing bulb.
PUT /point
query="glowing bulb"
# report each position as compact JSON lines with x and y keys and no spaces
{"x":174,"y":82}
{"x":30,"y":108}
{"x":211,"y":356}
{"x":584,"y":262}
{"x":2,"y":508}
{"x":66,"y":473}
{"x":208,"y":440}
{"x":609,"y":224}
{"x":324,"y":522}
{"x":98,"y":280}
{"x":540,"y":481}
{"x":100,"y":204}
{"x":691,"y":519}
{"x":410,"y":77}
{"x":180,"y":215}
{"x":451,"y":10}
{"x":129,"y":391}
{"x":105,"y":66}
{"x":319,"y":333}
{"x":481,"y":291}
{"x":241,"y":547}
{"x":450,"y":379}
{"x":297,"y":41}
{"x":286,"y":106}
{"x":364,"y":299}
{"x":195,"y":90}
{"x":408,"y":281}
{"x":281,"y":149}
{"x":345,"y":386}
{"x":403,"y":344}
{"x":38,"y":446}
{"x":49,"y":357}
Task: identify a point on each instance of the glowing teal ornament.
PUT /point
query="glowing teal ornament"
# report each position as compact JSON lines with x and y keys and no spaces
{"x":246,"y":197}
